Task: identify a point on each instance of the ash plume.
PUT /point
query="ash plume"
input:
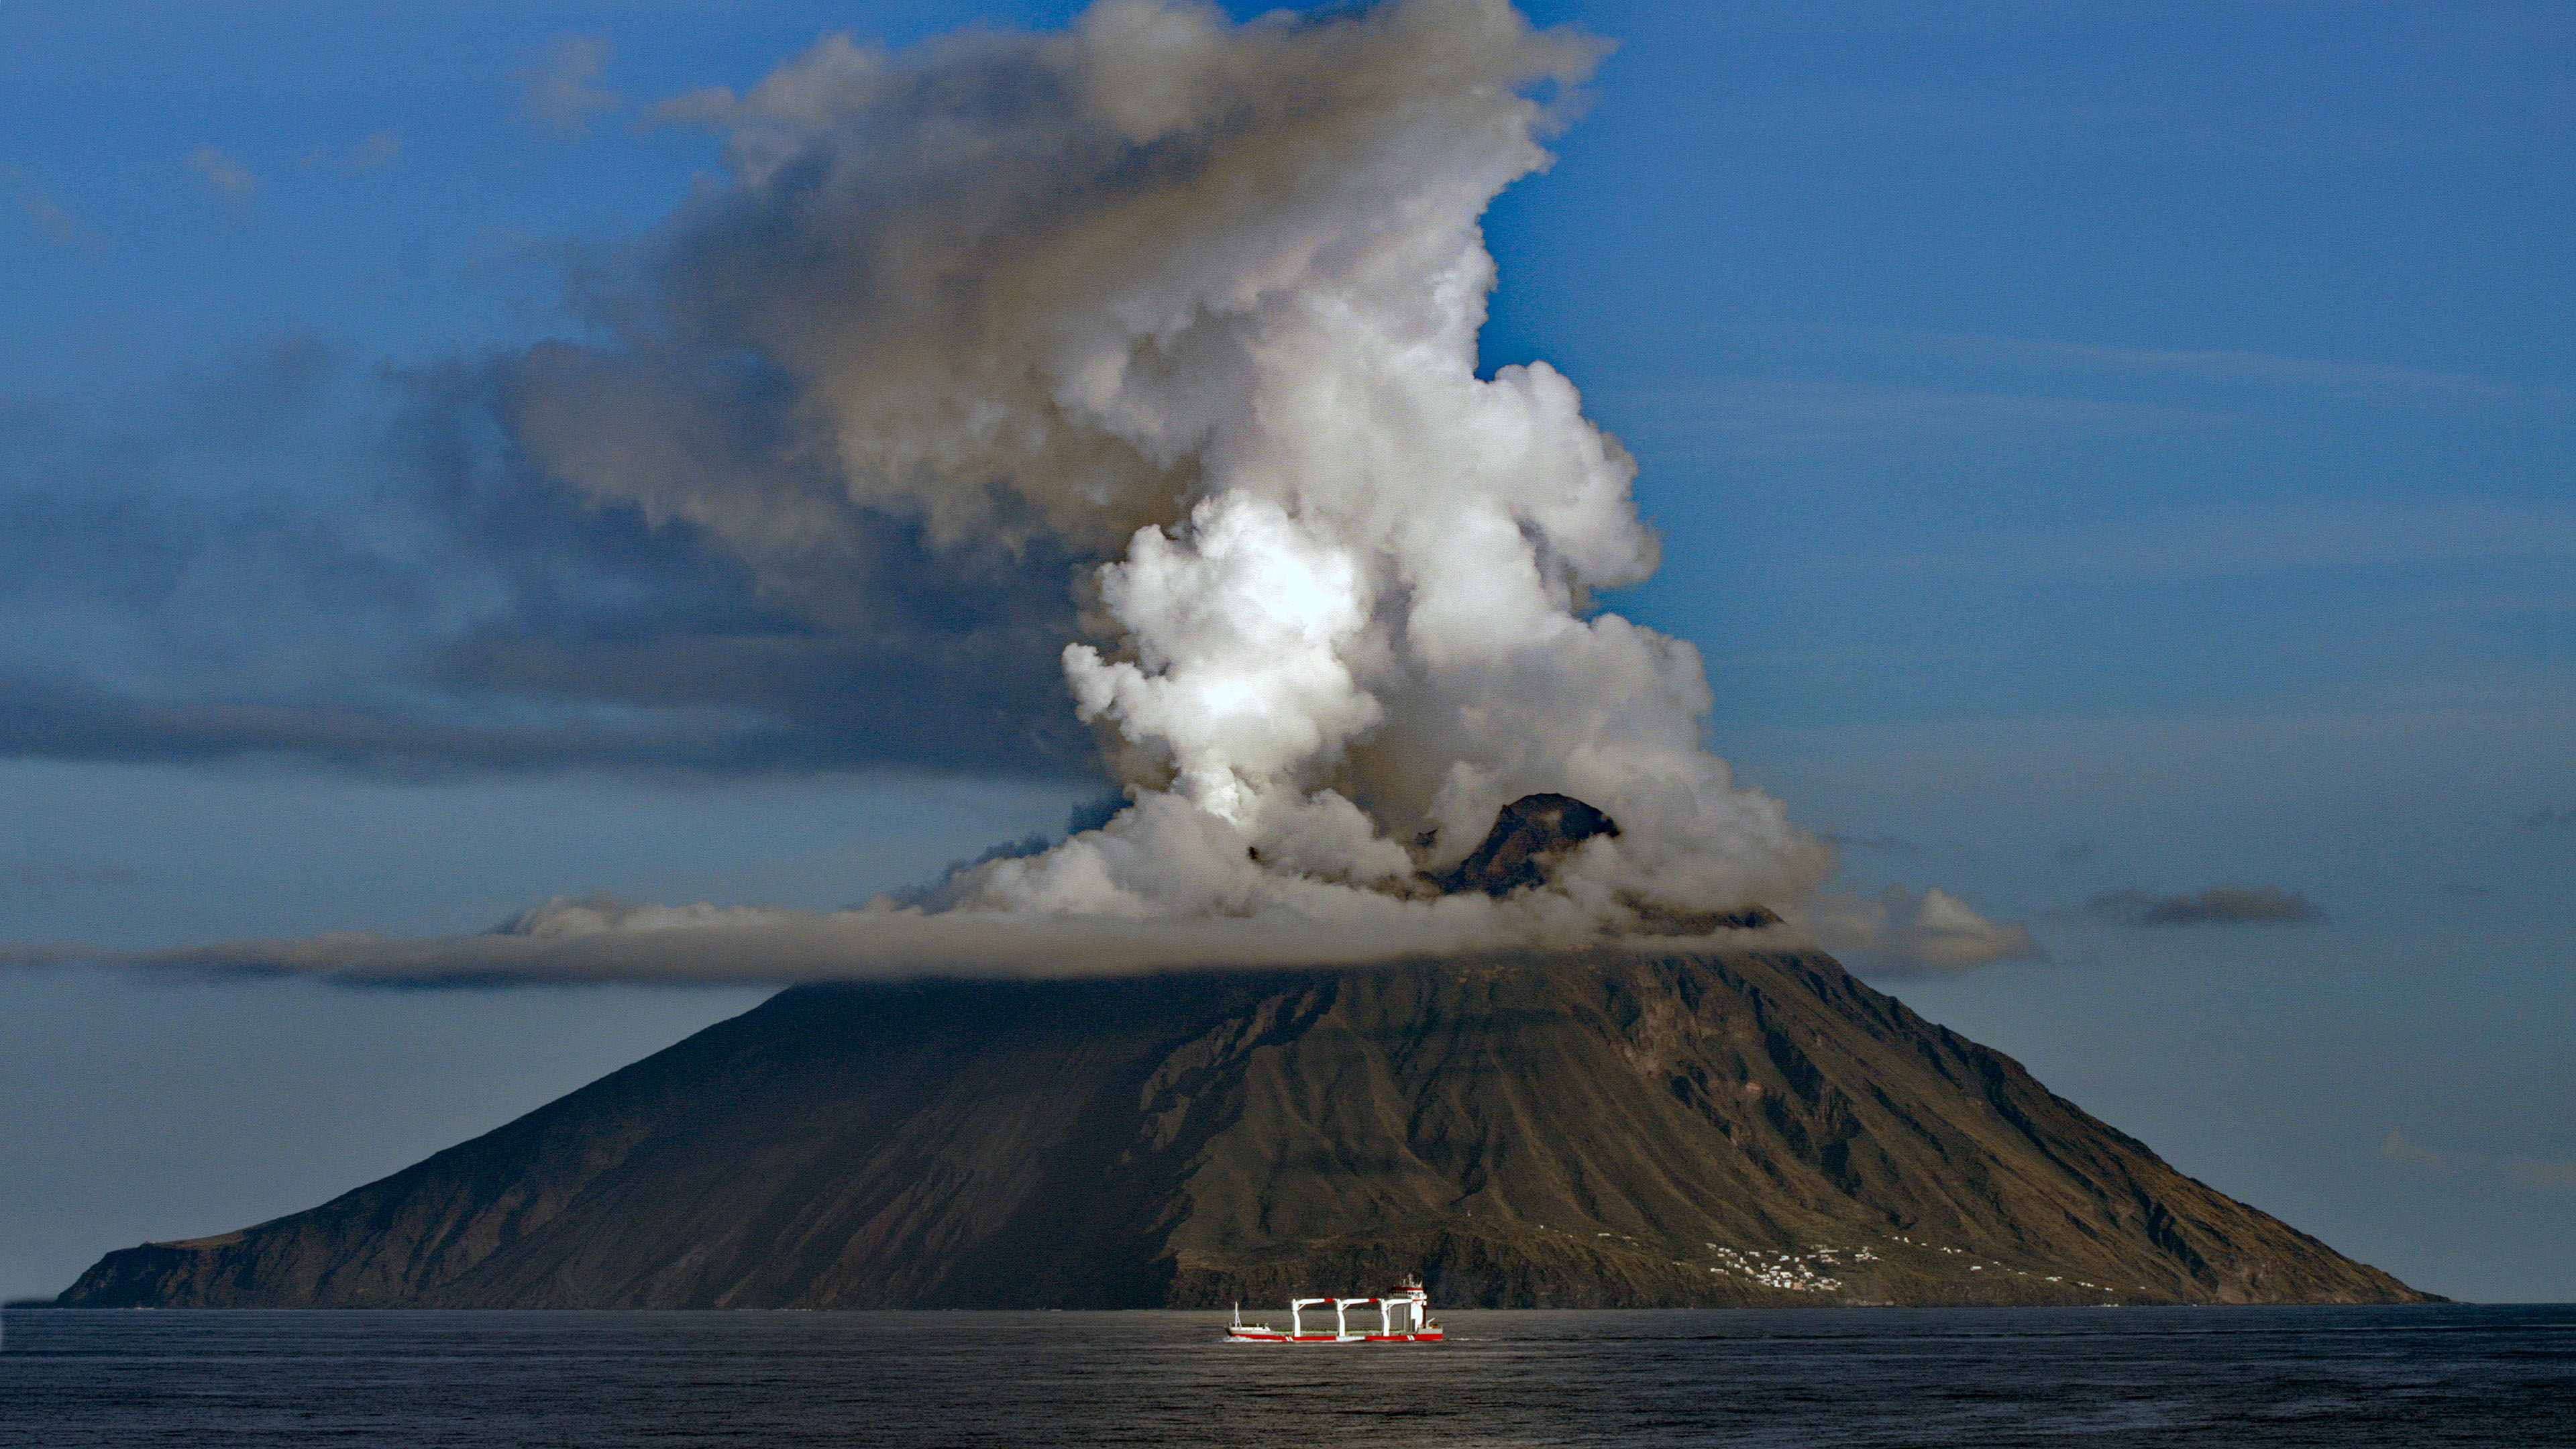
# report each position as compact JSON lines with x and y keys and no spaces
{"x":1200,"y":301}
{"x":1186,"y":312}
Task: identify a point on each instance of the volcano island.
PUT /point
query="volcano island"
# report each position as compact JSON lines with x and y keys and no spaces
{"x":1617,"y":1126}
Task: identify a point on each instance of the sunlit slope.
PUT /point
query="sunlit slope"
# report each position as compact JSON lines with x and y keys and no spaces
{"x":1606,"y":1129}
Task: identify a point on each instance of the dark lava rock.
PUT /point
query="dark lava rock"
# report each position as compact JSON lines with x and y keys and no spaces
{"x":1607,"y":1128}
{"x":1531,"y":834}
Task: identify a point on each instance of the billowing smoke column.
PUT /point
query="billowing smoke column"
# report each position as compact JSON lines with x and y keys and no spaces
{"x":1359,"y":625}
{"x":1194,"y":305}
{"x":1209,"y":294}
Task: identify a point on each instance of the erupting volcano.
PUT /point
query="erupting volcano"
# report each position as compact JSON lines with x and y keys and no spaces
{"x":1183,"y":315}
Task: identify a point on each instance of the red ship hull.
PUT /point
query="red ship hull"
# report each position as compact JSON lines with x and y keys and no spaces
{"x":1262,"y":1335}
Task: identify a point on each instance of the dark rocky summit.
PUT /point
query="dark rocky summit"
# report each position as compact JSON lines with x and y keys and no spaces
{"x":1600,"y":1129}
{"x":1531,"y":835}
{"x":1535,"y":834}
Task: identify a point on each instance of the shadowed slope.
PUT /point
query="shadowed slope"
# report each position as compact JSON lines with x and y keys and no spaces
{"x":1604,"y":1129}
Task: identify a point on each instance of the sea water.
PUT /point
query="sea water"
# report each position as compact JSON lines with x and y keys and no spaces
{"x":2356,"y":1378}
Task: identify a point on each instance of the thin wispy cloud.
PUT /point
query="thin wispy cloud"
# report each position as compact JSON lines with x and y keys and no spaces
{"x":50,"y":217}
{"x":1887,"y":844}
{"x":561,"y":91}
{"x":2378,"y":382}
{"x":221,"y":175}
{"x":2548,"y":819}
{"x":2131,"y":117}
{"x":1773,"y":418}
{"x":1810,"y":393}
{"x":2251,"y":540}
{"x":47,"y":876}
{"x":378,"y":149}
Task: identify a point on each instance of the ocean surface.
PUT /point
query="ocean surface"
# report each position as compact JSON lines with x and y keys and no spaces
{"x":2357,"y":1378}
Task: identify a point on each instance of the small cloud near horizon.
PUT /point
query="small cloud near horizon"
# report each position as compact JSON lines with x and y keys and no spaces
{"x":1900,"y":934}
{"x":2558,"y":1174}
{"x":2401,"y":1151}
{"x":2551,"y":1174}
{"x":2209,"y":906}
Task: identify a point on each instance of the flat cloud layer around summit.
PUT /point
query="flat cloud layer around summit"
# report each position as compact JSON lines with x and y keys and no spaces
{"x":604,"y":940}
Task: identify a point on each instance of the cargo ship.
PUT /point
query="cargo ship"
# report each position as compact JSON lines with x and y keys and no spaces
{"x":1403,"y":1316}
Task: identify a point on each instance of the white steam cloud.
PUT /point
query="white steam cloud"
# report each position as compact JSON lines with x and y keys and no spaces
{"x":1194,"y":303}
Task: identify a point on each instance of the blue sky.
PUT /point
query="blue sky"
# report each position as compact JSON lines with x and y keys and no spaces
{"x":2097,"y":446}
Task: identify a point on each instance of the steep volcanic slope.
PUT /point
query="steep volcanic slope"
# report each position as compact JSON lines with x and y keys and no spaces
{"x":1604,"y":1129}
